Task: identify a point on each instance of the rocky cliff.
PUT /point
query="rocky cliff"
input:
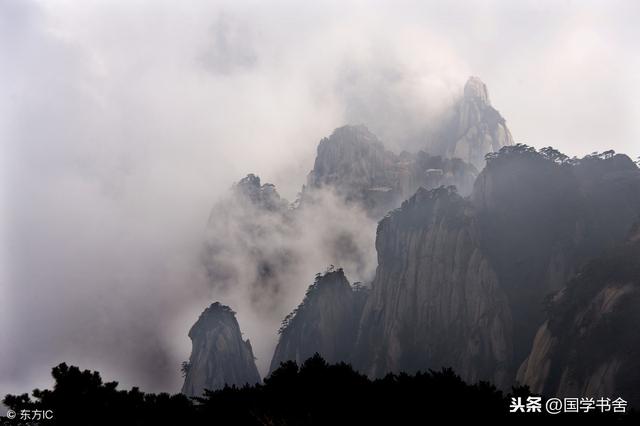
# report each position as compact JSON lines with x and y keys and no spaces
{"x":326,"y":322}
{"x":262,"y":196}
{"x":355,"y":164}
{"x":543,"y":215}
{"x":219,"y":355}
{"x":435,"y":300}
{"x":589,"y":343}
{"x":475,"y":127}
{"x":462,"y":282}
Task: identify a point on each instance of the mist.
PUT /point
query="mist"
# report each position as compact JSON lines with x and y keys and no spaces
{"x":262,"y":253}
{"x":123,"y":124}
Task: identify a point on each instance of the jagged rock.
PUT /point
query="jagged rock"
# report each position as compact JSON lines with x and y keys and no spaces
{"x":461,"y":282}
{"x":541,"y":219}
{"x":219,"y":356}
{"x":352,"y":158}
{"x":355,"y":164}
{"x":476,"y":89}
{"x":436,"y":300}
{"x":239,"y":248}
{"x":475,"y":128}
{"x":326,"y":322}
{"x":589,"y":344}
{"x":261,"y":196}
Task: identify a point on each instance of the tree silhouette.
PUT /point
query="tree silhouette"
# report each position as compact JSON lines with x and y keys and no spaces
{"x":315,"y":393}
{"x":554,"y":155}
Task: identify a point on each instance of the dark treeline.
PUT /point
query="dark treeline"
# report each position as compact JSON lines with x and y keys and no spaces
{"x":315,"y":393}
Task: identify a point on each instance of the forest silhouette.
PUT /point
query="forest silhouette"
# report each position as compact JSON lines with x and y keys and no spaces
{"x":315,"y":393}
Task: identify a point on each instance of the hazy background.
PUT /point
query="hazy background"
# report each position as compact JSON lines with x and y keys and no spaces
{"x":122,"y":122}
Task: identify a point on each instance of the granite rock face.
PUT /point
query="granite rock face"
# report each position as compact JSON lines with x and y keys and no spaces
{"x":355,"y":164}
{"x":219,"y":355}
{"x":262,"y":196}
{"x":356,"y":169}
{"x":589,"y":344}
{"x":462,"y":282}
{"x":463,"y":276}
{"x":326,"y":322}
{"x":542,"y":218}
{"x":475,"y":129}
{"x":436,"y":300}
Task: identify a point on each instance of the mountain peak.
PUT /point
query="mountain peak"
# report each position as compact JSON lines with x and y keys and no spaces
{"x":326,"y":322}
{"x":262,"y":195}
{"x":475,"y":129}
{"x":476,"y":89}
{"x":219,"y":355}
{"x":353,"y":132}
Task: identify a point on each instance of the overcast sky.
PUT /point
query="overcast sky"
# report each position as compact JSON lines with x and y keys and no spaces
{"x":121,"y":122}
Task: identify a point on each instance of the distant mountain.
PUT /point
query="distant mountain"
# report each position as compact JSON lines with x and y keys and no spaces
{"x":262,"y":196}
{"x":239,"y":244}
{"x":356,"y":165}
{"x":466,"y":260}
{"x":219,"y":355}
{"x":474,"y":129}
{"x":462,"y":282}
{"x":253,"y":234}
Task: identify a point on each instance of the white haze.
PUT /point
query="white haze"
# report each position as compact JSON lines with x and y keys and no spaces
{"x":122,"y":122}
{"x":261,"y":261}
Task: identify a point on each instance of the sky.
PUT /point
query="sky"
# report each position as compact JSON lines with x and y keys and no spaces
{"x":123,"y":122}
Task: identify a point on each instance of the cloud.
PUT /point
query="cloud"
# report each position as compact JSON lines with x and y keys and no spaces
{"x":123,"y":122}
{"x":262,"y":253}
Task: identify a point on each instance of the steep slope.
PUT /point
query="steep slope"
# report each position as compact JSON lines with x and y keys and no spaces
{"x":475,"y":128}
{"x":352,"y":158}
{"x":462,"y":282}
{"x":219,"y":356}
{"x":325,"y":322}
{"x":542,"y":216}
{"x":355,"y":164}
{"x":589,"y":344}
{"x":435,"y":300}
